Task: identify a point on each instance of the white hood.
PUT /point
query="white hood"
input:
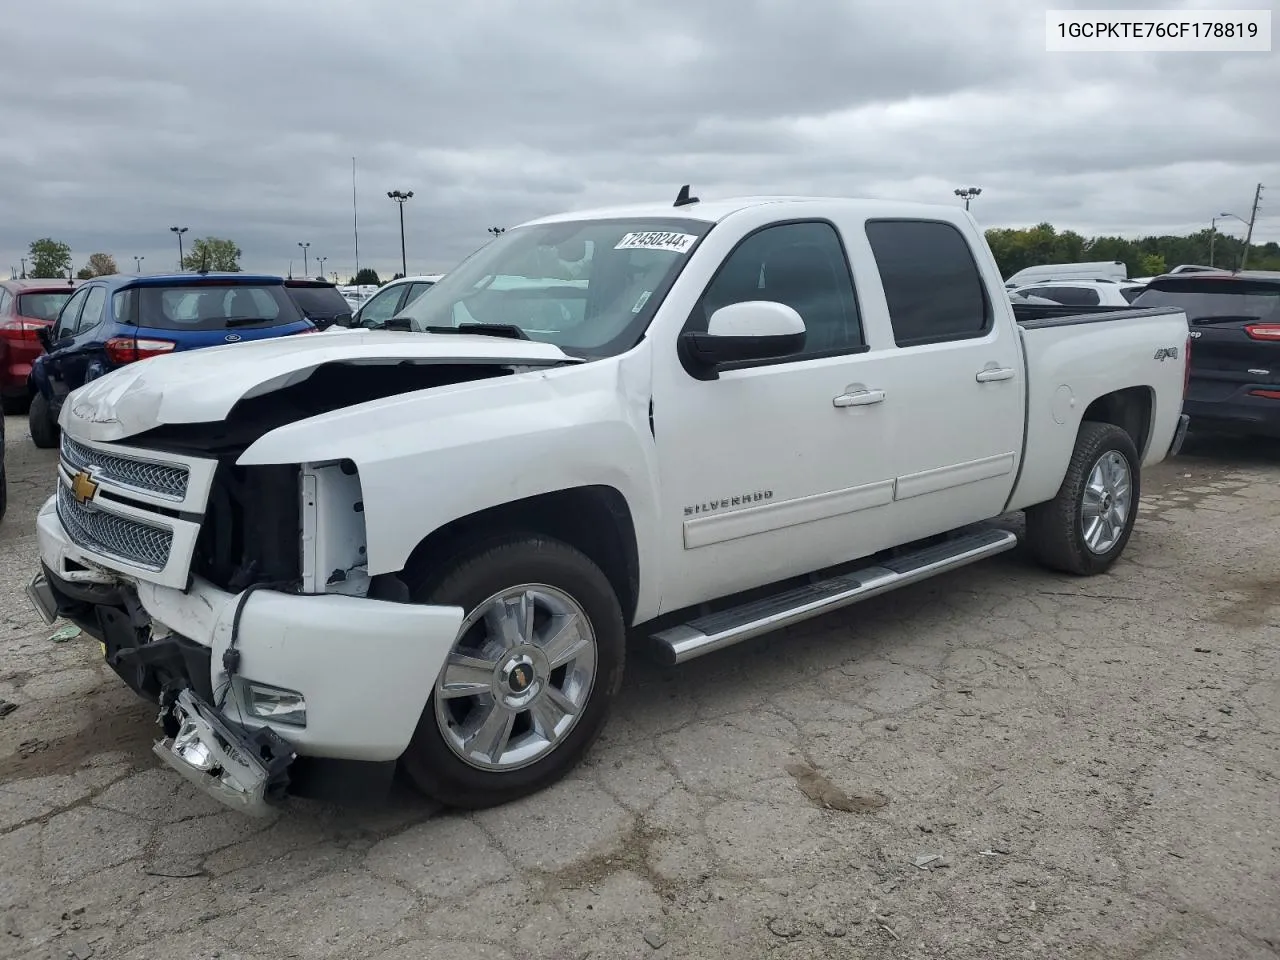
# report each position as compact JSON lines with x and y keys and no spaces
{"x":201,"y":386}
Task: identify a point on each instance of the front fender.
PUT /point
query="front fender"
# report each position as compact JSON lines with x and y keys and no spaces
{"x":427,"y":458}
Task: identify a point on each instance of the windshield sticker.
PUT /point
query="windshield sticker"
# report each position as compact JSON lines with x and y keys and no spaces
{"x":657,"y":240}
{"x":644,"y":298}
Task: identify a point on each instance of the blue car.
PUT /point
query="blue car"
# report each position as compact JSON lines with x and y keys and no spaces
{"x":112,"y":321}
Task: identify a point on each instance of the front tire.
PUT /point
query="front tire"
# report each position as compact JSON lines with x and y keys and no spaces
{"x":532,"y":676}
{"x":44,"y":429}
{"x":1084,"y":529}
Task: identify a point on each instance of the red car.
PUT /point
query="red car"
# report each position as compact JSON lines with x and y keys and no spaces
{"x":26,"y":306}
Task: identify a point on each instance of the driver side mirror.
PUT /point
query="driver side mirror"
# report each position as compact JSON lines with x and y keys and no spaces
{"x":751,"y":330}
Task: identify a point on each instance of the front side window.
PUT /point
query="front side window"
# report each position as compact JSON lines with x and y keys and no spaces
{"x":381,"y":308}
{"x":931,"y":281}
{"x":801,"y":265}
{"x":588,"y":286}
{"x":69,"y":316}
{"x":92,"y":312}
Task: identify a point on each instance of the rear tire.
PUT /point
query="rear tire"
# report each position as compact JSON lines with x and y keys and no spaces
{"x":545,"y":601}
{"x":44,"y":429}
{"x":1084,"y":529}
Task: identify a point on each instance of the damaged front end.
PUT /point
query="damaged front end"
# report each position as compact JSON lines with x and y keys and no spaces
{"x":244,"y":768}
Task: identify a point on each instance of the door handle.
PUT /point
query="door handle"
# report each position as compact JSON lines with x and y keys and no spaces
{"x":859,"y":398}
{"x":991,"y":374}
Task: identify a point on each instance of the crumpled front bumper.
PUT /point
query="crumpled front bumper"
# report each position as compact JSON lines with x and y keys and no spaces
{"x":364,"y":668}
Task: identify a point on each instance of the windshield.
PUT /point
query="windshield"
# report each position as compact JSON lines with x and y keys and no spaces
{"x":214,"y":306}
{"x":588,"y":286}
{"x":1206,"y":299}
{"x":42,"y":306}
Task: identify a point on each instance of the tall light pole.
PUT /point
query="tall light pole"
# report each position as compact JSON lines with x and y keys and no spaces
{"x":1233,"y":216}
{"x":24,"y":267}
{"x":321,"y":260}
{"x":1213,"y":236}
{"x":968,"y":193}
{"x":497,"y":231}
{"x":179,"y":231}
{"x":400,"y":199}
{"x":304,"y":247}
{"x":137,"y":262}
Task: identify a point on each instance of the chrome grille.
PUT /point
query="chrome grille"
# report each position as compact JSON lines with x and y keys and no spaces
{"x":138,"y":543}
{"x":168,"y":480}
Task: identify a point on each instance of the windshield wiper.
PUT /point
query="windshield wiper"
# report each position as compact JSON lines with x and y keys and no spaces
{"x":245,"y":321}
{"x":1238,"y":318}
{"x":508,"y":330}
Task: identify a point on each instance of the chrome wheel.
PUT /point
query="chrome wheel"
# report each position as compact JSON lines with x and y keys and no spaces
{"x":1107,"y":500}
{"x":518,"y":678}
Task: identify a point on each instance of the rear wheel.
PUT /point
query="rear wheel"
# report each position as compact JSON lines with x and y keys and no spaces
{"x":1085,"y":528}
{"x":44,"y":429}
{"x":531,"y":677}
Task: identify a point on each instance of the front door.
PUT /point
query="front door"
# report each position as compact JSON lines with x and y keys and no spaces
{"x":765,"y":473}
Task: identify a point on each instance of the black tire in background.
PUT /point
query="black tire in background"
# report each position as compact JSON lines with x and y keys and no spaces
{"x":473,"y":577}
{"x":1056,"y":530}
{"x":44,"y":429}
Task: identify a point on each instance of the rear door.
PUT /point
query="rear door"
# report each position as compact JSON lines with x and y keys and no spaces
{"x":955,"y":383}
{"x":1235,"y":336}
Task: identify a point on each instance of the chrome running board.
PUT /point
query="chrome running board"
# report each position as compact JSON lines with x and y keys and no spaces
{"x":715,"y":631}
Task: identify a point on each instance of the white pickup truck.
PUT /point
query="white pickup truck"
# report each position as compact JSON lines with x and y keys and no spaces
{"x":326,"y":557}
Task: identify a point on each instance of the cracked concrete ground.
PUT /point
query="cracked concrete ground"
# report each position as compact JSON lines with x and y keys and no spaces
{"x":1033,"y":766}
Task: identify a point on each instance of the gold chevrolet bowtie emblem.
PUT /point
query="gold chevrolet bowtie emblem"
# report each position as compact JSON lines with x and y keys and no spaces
{"x":82,"y":487}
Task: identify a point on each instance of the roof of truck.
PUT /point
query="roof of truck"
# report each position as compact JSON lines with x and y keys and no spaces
{"x":713,"y":211}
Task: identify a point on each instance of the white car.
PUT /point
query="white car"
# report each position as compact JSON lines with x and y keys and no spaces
{"x":323,"y":558}
{"x":374,"y":311}
{"x":1084,"y":293}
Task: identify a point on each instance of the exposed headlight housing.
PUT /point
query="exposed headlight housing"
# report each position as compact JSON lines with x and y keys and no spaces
{"x":277,"y":704}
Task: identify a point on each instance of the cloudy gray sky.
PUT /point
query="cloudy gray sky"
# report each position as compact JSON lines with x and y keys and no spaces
{"x":240,"y":119}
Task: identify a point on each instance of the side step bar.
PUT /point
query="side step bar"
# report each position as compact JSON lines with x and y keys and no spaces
{"x":715,"y":631}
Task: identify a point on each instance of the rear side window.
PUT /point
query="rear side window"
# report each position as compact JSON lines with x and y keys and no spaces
{"x":1131,"y":293}
{"x":931,"y":281}
{"x":1072,"y":296}
{"x":215,"y":307}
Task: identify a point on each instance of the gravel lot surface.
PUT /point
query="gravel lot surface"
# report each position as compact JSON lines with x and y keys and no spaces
{"x":999,"y":763}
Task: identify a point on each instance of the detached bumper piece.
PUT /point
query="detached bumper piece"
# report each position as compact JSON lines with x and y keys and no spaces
{"x":245,"y":769}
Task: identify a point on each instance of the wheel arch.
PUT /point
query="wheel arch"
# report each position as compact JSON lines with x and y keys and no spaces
{"x":1131,"y":409}
{"x":595,"y":519}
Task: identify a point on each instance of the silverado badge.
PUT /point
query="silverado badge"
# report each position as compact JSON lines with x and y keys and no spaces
{"x":82,"y":487}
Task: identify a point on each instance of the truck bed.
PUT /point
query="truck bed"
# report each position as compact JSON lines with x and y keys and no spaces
{"x":1034,"y":316}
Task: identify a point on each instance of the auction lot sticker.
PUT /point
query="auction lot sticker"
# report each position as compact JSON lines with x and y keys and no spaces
{"x":657,"y":240}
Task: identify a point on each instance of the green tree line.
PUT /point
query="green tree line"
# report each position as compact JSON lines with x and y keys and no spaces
{"x":1018,"y":248}
{"x":52,"y":258}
